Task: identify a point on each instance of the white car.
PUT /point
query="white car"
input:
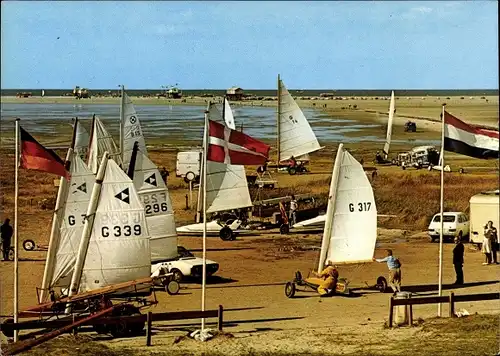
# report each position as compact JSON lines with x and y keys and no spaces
{"x":185,"y":265}
{"x":454,"y":224}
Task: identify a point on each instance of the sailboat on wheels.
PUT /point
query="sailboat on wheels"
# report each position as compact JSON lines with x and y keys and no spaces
{"x":295,"y":138}
{"x":350,"y":230}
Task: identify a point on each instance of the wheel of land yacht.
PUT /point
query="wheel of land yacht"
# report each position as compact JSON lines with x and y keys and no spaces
{"x":190,"y":176}
{"x":177,"y":275}
{"x":226,"y":234}
{"x":11,"y":254}
{"x":172,"y":287}
{"x":381,"y":284}
{"x":29,"y":245}
{"x":124,"y":328}
{"x":6,"y":330}
{"x":290,"y":289}
{"x":292,"y":171}
{"x":284,"y":229}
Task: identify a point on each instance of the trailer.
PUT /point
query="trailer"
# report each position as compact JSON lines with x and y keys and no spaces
{"x":483,"y":208}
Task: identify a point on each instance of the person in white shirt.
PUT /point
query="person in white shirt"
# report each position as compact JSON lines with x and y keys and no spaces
{"x":293,"y":211}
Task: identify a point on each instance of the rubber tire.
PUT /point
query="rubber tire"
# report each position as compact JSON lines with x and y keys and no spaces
{"x":381,"y":284}
{"x":11,"y":254}
{"x":226,"y":234}
{"x":172,"y":287}
{"x":29,"y":245}
{"x":292,"y":171}
{"x":177,"y":275}
{"x":290,"y":289}
{"x":190,"y":176}
{"x":284,"y":229}
{"x":432,"y":239}
{"x":8,"y":332}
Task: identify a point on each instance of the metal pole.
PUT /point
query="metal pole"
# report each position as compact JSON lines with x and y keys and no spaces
{"x":278,"y":114}
{"x":204,"y":273}
{"x":16,"y":255}
{"x":190,"y":194}
{"x":122,"y":118}
{"x":440,"y":283}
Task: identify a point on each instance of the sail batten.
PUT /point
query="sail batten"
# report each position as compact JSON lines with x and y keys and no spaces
{"x":296,"y":137}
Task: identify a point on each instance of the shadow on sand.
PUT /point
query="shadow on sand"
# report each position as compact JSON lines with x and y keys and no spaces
{"x":222,"y":249}
{"x":422,"y":288}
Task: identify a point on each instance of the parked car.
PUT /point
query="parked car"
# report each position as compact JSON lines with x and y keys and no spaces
{"x":454,"y":224}
{"x":184,"y":265}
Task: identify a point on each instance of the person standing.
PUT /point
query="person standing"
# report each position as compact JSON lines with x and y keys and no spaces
{"x":293,"y":211}
{"x":6,"y":231}
{"x":458,"y":261}
{"x":490,"y":232}
{"x":394,"y":270}
{"x":164,"y":174}
{"x":486,"y":247}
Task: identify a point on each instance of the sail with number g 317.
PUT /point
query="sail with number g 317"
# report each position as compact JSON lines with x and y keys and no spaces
{"x":351,"y":219}
{"x":101,"y":141}
{"x":296,"y":137}
{"x":114,"y":247}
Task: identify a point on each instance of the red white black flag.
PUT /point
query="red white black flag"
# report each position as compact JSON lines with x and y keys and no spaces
{"x":35,"y":156}
{"x":465,"y":139}
{"x":233,"y":147}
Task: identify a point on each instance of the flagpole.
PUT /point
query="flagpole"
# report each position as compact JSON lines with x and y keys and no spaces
{"x":16,"y":256}
{"x":440,"y":284}
{"x":278,"y":114}
{"x":204,"y":183}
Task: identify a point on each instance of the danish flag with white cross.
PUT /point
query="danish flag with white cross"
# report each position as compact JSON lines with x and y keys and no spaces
{"x":233,"y":147}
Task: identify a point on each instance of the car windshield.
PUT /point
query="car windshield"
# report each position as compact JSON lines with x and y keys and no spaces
{"x":447,"y":218}
{"x":184,"y":252}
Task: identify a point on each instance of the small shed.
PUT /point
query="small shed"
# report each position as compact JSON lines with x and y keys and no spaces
{"x":483,"y":208}
{"x":234,"y":93}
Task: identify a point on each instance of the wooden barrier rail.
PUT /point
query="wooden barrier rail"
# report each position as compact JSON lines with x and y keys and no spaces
{"x":70,"y":323}
{"x":451,"y":299}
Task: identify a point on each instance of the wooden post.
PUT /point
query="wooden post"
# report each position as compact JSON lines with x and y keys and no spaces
{"x":148,"y":328}
{"x":390,"y":311}
{"x":220,"y":318}
{"x":74,"y":329}
{"x":410,"y":314}
{"x":452,"y":305}
{"x":187,"y":205}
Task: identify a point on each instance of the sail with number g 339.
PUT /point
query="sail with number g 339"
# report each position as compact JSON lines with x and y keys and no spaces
{"x":296,"y":137}
{"x":351,"y":219}
{"x":117,"y":248}
{"x":101,"y":141}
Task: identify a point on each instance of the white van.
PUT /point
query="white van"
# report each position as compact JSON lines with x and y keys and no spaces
{"x":454,"y":224}
{"x":483,"y":208}
{"x":188,"y":165}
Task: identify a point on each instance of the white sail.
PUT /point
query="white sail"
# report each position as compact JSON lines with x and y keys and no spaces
{"x":351,"y":226}
{"x":132,"y":131}
{"x":118,"y":249}
{"x":70,"y":232}
{"x":82,"y":139}
{"x":296,"y":135}
{"x":100,"y":142}
{"x":227,"y":186}
{"x":154,"y":195}
{"x":389,"y":124}
{"x":228,"y":115}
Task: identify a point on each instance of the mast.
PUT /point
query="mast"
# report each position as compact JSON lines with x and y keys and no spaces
{"x":91,"y":137}
{"x":204,"y":180}
{"x":330,"y":210}
{"x":55,"y":233}
{"x":278,"y":114}
{"x":122,"y":118}
{"x":87,"y":230}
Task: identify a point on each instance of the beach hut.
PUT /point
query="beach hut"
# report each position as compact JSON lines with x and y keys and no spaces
{"x":234,"y":93}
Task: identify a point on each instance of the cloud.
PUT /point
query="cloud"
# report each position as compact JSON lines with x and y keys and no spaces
{"x":416,"y":12}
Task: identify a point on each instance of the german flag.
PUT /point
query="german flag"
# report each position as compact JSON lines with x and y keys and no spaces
{"x":35,"y":156}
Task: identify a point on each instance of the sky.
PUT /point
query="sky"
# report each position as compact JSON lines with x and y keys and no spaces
{"x":216,"y":45}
